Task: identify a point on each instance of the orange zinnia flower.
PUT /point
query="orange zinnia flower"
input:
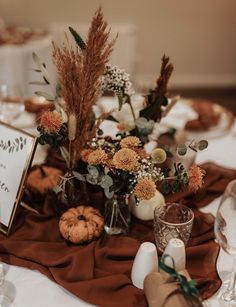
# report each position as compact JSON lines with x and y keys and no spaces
{"x":51,"y":121}
{"x":195,"y":177}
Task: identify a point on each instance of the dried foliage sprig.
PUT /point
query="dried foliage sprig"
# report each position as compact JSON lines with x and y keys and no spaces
{"x":79,"y":75}
{"x":165,"y":74}
{"x":156,"y":99}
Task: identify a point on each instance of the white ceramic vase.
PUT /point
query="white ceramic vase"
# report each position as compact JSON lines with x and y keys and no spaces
{"x":144,"y":210}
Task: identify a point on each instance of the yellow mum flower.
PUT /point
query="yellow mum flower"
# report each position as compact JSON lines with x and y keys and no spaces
{"x":145,"y":189}
{"x":125,"y":159}
{"x":130,"y":142}
{"x":97,"y":156}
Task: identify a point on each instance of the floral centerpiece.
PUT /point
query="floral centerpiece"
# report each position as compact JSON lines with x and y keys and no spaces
{"x":120,"y":166}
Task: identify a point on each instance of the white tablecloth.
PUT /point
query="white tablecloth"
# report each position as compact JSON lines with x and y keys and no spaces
{"x":31,"y":288}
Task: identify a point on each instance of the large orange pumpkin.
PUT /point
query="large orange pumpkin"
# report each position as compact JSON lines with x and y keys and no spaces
{"x":81,"y":224}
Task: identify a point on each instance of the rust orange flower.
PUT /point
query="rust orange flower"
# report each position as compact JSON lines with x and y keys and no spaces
{"x":145,"y":189}
{"x":97,"y":156}
{"x":85,"y":154}
{"x":125,"y":159}
{"x":130,"y":142}
{"x":195,"y":176}
{"x":51,"y":121}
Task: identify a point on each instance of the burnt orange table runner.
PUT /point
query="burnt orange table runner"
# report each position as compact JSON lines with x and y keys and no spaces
{"x":99,"y":272}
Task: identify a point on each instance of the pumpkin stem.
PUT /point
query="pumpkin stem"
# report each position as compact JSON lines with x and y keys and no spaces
{"x":42,"y":172}
{"x":81,"y":217}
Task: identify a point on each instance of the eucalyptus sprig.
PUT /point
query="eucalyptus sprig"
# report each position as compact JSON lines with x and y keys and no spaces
{"x":194,"y":145}
{"x":176,"y":182}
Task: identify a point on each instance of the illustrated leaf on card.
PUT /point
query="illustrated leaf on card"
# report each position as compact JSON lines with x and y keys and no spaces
{"x":14,"y":145}
{"x":79,"y":41}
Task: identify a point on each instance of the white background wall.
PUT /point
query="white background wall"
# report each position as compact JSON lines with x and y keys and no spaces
{"x":199,"y":36}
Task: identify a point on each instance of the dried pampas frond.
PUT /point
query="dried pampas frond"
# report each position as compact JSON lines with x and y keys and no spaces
{"x":79,"y":75}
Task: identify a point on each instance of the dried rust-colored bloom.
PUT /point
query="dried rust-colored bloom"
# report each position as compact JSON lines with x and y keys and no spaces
{"x":145,"y":189}
{"x":51,"y":121}
{"x":130,"y":142}
{"x":85,"y":154}
{"x":97,"y":156}
{"x":195,"y":176}
{"x":126,"y":159}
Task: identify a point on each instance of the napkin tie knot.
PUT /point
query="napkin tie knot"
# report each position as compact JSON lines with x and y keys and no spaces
{"x":187,"y":286}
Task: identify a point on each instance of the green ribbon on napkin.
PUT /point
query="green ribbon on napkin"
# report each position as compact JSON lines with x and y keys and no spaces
{"x":188,"y":286}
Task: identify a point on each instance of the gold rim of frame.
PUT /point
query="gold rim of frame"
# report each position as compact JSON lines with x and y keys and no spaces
{"x":6,"y":229}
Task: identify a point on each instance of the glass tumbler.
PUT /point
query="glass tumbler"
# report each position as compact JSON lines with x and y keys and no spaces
{"x":172,"y":220}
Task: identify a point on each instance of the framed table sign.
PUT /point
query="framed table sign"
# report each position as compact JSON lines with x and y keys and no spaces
{"x":17,"y":149}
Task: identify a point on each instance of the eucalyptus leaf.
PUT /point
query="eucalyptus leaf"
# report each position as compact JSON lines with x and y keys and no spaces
{"x":65,"y":154}
{"x":93,"y":171}
{"x":182,"y":149}
{"x":57,"y":189}
{"x":91,"y":179}
{"x":106,"y":182}
{"x":108,"y":194}
{"x":120,"y":100}
{"x":58,"y":90}
{"x":203,"y":144}
{"x":79,"y":176}
{"x":45,"y":95}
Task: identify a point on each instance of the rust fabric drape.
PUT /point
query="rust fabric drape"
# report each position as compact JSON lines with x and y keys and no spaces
{"x":99,"y":272}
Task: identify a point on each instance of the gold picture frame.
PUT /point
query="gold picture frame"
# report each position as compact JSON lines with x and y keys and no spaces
{"x":17,"y":148}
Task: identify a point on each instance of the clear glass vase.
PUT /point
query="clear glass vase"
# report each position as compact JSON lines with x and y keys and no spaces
{"x":117,"y":215}
{"x":73,"y":191}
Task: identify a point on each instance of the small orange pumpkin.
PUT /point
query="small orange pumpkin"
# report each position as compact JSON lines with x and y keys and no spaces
{"x":43,"y":178}
{"x":81,"y":224}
